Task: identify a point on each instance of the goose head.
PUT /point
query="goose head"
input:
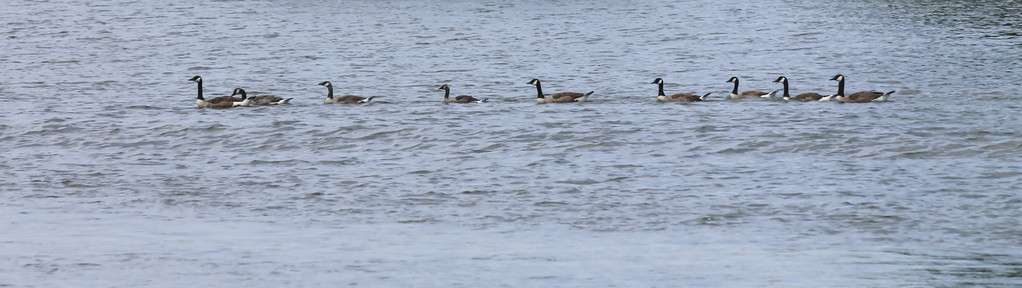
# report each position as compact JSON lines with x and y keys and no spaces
{"x":240,"y":91}
{"x":781,"y":79}
{"x":533,"y":82}
{"x":325,"y":84}
{"x":658,"y":81}
{"x":444,"y":87}
{"x":196,"y":79}
{"x":732,"y":80}
{"x":838,"y":77}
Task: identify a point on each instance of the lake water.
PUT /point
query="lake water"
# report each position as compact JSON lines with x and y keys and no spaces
{"x":113,"y":178}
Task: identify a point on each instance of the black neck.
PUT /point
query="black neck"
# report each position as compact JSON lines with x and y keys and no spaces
{"x":785,"y":88}
{"x":447,"y":92}
{"x":661,"y":84}
{"x":200,"y":90}
{"x":539,"y":90}
{"x":841,"y":87}
{"x":330,"y":92}
{"x":734,"y":91}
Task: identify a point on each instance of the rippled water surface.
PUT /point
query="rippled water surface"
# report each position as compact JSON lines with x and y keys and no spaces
{"x":112,"y":177}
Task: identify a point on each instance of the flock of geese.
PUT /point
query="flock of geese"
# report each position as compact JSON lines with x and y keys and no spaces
{"x":560,"y":97}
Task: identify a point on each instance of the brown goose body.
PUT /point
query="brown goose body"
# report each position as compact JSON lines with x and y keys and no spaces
{"x":864,"y":95}
{"x":346,"y":99}
{"x":677,"y":97}
{"x":804,"y":97}
{"x":269,"y":100}
{"x":560,"y":97}
{"x":459,"y":98}
{"x":746,"y":94}
{"x":218,"y":102}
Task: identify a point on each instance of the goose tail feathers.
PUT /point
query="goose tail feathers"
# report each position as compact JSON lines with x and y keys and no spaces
{"x":586,"y":97}
{"x":883,"y":98}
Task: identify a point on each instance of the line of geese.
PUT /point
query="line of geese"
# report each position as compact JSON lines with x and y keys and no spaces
{"x":560,"y":97}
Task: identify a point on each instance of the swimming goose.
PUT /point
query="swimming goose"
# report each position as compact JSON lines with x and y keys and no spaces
{"x":218,"y":102}
{"x":857,"y":97}
{"x":804,"y":97}
{"x":459,"y":98}
{"x":269,"y":100}
{"x":679,"y":97}
{"x":560,"y":97}
{"x":743,"y":95}
{"x":346,"y":99}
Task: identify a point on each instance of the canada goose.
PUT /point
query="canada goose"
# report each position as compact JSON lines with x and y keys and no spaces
{"x":346,"y":99}
{"x":218,"y":102}
{"x":679,"y":97}
{"x":560,"y":97}
{"x":804,"y":97}
{"x":857,"y":97}
{"x":743,"y":95}
{"x":459,"y":98}
{"x":269,"y":100}
{"x":243,"y":101}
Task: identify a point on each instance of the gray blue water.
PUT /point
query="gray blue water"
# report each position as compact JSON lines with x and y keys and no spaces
{"x":113,"y":178}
